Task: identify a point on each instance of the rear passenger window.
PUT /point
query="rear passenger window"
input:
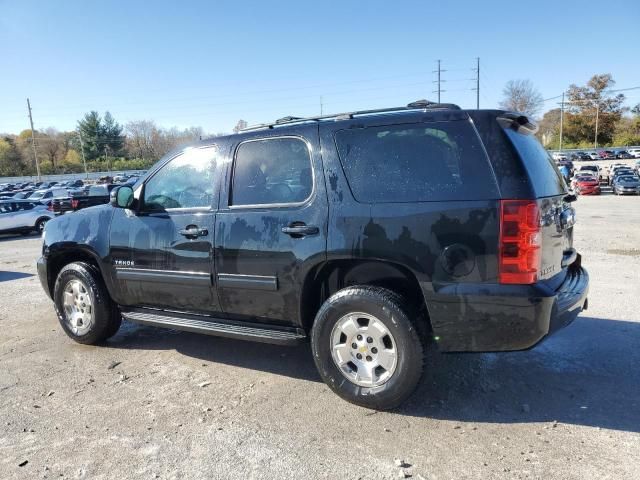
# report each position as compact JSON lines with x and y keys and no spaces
{"x":272,"y":171}
{"x":416,"y":163}
{"x":544,"y":174}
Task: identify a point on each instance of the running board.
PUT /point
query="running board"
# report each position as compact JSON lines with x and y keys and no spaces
{"x":217,"y":327}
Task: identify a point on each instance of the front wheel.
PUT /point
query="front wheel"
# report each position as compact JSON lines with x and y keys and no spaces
{"x":84,"y":308}
{"x":366,"y":348}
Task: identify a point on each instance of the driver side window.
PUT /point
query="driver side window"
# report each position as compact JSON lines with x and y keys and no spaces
{"x":185,"y":182}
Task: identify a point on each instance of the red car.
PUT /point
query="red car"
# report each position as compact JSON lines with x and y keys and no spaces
{"x":586,"y":185}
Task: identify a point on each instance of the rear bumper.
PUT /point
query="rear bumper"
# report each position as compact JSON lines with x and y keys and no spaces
{"x":491,"y":317}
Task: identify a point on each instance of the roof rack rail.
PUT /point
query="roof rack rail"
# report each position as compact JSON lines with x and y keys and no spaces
{"x":417,"y":105}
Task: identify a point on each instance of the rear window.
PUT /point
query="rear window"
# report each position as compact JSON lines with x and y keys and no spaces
{"x":544,"y":175}
{"x":423,"y":162}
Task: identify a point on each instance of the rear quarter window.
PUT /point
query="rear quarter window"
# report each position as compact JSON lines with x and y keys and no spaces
{"x":435,"y":161}
{"x":542,"y":171}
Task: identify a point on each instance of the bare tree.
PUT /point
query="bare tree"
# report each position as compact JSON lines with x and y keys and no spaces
{"x":521,"y":96}
{"x":242,"y":124}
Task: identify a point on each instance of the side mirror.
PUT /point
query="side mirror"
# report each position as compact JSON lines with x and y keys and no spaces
{"x":121,"y":197}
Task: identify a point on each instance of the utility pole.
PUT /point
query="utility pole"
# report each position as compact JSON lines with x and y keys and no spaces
{"x":439,"y":81}
{"x":84,"y":160}
{"x":595,"y":141}
{"x":33,"y":140}
{"x":478,"y":83}
{"x":106,"y":158}
{"x":321,"y":106}
{"x":561,"y":119}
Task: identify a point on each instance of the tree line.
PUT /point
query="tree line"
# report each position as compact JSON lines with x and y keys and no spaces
{"x":594,"y":113}
{"x":104,"y":144}
{"x":100,"y":141}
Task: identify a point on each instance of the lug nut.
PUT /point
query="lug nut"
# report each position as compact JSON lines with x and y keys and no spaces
{"x":374,"y":350}
{"x":354,"y":345}
{"x":359,"y":356}
{"x":368,"y":358}
{"x":359,"y":337}
{"x":369,"y":340}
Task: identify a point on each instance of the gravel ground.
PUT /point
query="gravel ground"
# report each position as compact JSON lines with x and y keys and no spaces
{"x":161,"y":404}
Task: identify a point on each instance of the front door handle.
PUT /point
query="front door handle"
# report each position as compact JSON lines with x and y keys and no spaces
{"x":297,"y":229}
{"x":193,"y":231}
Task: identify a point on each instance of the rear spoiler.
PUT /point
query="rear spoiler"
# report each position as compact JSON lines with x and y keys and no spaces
{"x":518,"y":122}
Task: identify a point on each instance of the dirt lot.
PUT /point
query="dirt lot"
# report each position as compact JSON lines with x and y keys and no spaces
{"x":142,"y":406}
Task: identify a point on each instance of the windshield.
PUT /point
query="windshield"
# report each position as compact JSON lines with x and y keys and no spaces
{"x":36,"y":195}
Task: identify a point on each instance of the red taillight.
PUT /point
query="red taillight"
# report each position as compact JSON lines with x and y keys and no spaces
{"x":74,"y":203}
{"x":50,"y":206}
{"x":520,"y":241}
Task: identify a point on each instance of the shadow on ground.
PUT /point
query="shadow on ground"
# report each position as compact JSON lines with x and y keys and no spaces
{"x":586,"y":374}
{"x":8,"y":276}
{"x":7,"y":237}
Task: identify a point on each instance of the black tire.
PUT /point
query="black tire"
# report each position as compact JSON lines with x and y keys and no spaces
{"x":39,"y":226}
{"x":391,"y":310}
{"x":106,"y":316}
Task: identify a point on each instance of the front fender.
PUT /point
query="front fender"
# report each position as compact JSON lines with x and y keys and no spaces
{"x":83,"y":235}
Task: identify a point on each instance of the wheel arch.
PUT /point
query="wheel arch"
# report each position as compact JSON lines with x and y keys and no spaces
{"x":331,"y":276}
{"x":59,"y":258}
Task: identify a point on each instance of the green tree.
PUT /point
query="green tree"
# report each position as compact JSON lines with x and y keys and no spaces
{"x":11,"y":162}
{"x":590,"y":103}
{"x":90,"y":127}
{"x":549,"y":128}
{"x":100,"y":135}
{"x":112,"y":134}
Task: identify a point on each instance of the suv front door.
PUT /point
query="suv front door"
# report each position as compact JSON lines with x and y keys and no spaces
{"x":162,"y":252}
{"x":271,"y":227}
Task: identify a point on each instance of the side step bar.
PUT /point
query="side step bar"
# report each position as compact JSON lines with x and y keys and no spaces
{"x":217,"y":327}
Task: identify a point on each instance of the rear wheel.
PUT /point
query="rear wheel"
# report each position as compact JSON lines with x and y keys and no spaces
{"x":366,"y":348}
{"x":84,"y":308}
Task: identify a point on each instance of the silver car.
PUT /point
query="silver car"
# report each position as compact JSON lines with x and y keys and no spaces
{"x":23,"y":216}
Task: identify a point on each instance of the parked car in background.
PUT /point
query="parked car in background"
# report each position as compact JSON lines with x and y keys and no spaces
{"x":606,"y":155}
{"x":44,"y":195}
{"x":559,"y":156}
{"x":623,"y":154}
{"x":23,"y":216}
{"x":626,"y":185}
{"x":594,"y":155}
{"x":71,"y":184}
{"x":105,"y":179}
{"x":91,"y":196}
{"x":594,"y":169}
{"x":586,"y":184}
{"x":635,"y":152}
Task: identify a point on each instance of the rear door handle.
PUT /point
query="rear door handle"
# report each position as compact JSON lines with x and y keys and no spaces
{"x":193,"y":231}
{"x":300,"y":230}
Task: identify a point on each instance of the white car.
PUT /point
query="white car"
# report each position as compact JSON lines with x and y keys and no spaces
{"x":594,"y":155}
{"x":635,"y":152}
{"x":49,"y":194}
{"x":23,"y":216}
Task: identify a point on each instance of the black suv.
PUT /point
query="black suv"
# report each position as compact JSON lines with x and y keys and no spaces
{"x":372,"y":234}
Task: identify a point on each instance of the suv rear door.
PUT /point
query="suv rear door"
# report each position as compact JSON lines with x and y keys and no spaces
{"x":271,"y":225}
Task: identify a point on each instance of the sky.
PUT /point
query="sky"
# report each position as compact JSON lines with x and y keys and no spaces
{"x":210,"y":63}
